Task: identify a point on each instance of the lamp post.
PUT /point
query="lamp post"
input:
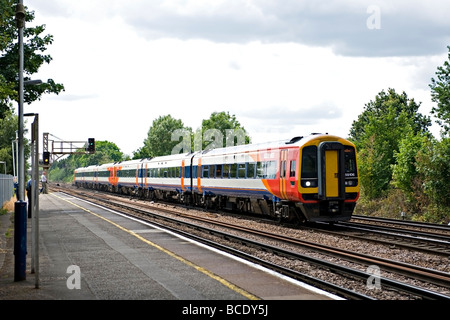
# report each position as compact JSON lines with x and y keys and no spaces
{"x":20,"y":207}
{"x":20,"y":212}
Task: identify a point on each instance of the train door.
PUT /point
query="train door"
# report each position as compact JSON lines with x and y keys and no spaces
{"x":283,"y":169}
{"x":291,"y":173}
{"x":288,"y":169}
{"x":332,"y":171}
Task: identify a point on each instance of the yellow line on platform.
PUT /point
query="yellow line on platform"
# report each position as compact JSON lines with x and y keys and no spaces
{"x":170,"y":253}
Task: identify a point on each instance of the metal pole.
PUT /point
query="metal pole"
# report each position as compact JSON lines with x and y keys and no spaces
{"x":32,"y":199}
{"x":20,"y":17}
{"x":14,"y":160}
{"x":20,"y":220}
{"x":35,"y":197}
{"x":36,"y":201}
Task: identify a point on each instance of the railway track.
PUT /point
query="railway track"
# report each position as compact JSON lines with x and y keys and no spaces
{"x":429,"y":242}
{"x":286,"y":248}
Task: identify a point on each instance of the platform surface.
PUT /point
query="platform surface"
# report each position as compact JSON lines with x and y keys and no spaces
{"x":91,"y":253}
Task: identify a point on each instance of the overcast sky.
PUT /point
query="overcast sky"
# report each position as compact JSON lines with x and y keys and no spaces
{"x":283,"y":67}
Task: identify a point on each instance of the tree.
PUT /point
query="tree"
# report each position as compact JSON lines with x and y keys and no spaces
{"x":440,"y":93}
{"x":35,"y":44}
{"x":433,"y":163}
{"x":159,"y":141}
{"x":377,"y":134}
{"x":406,"y":175}
{"x":8,"y":127}
{"x":221,"y":130}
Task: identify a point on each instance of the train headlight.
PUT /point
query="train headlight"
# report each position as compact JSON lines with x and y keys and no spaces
{"x":312,"y":183}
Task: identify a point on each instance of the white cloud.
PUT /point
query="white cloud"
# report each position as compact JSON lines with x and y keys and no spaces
{"x":274,"y":64}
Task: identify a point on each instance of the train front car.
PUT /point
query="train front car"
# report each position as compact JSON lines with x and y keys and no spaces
{"x":328,"y":185}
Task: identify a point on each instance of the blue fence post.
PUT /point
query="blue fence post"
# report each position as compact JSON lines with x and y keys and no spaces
{"x":20,"y":240}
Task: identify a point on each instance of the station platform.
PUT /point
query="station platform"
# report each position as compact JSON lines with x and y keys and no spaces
{"x":87,"y":252}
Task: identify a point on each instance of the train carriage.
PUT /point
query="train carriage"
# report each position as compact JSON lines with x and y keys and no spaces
{"x":312,"y":178}
{"x":161,"y":177}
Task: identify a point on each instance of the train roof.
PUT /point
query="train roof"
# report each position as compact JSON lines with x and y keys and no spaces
{"x":295,"y":141}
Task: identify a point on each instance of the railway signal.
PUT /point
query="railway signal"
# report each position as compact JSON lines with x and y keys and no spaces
{"x":46,"y":158}
{"x":91,"y":145}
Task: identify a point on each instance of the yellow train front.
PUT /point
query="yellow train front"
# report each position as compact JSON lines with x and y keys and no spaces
{"x":327,"y":183}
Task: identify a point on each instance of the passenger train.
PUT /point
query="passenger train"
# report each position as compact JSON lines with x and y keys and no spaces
{"x":311,"y":178}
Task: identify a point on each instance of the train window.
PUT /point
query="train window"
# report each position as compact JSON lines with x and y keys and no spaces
{"x":219,"y":171}
{"x":233,"y":170}
{"x":194,"y":171}
{"x":292,"y":168}
{"x":271,"y":169}
{"x":260,"y":169}
{"x":309,"y":167}
{"x":178,"y":172}
{"x":205,"y":171}
{"x":283,"y":169}
{"x":212,"y":171}
{"x":226,"y":171}
{"x":251,"y":170}
{"x":187,"y":171}
{"x":266,"y":169}
{"x":241,"y":170}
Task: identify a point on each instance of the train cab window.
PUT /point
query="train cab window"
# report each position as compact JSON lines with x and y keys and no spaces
{"x":351,"y":174}
{"x":292,"y":168}
{"x":350,"y":160}
{"x":309,"y":167}
{"x":251,"y":170}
